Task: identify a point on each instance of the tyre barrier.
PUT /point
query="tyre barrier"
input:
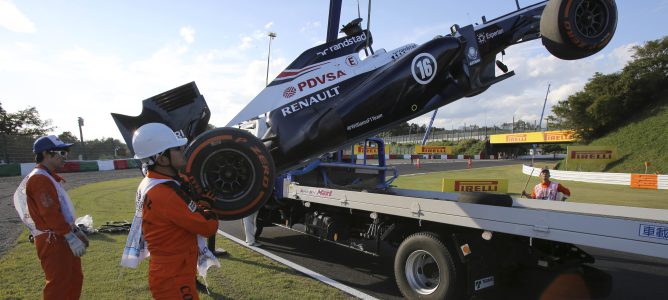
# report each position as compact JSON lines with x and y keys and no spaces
{"x":22,"y":169}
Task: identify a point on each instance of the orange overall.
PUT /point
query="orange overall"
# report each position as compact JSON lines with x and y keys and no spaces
{"x":535,"y":193}
{"x":62,"y":269}
{"x":170,"y":229}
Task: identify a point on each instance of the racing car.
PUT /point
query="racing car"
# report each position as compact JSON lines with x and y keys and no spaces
{"x":330,"y":96}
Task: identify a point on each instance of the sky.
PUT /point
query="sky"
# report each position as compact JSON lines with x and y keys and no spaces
{"x":89,"y":58}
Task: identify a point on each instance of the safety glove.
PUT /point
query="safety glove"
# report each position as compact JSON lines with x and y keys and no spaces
{"x":76,"y":245}
{"x":81,"y":235}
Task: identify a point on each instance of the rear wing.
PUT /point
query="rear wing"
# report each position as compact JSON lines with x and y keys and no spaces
{"x":183,"y":109}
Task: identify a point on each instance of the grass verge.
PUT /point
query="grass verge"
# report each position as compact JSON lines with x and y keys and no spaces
{"x":580,"y":191}
{"x":244,"y":274}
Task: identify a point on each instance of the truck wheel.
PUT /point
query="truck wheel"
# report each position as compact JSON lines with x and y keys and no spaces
{"x":486,"y":199}
{"x":233,"y":168}
{"x":574,"y":29}
{"x":424,"y":268}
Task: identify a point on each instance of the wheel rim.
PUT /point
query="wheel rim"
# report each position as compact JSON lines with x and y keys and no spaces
{"x":229,"y":174}
{"x":422,"y":272}
{"x":591,"y":18}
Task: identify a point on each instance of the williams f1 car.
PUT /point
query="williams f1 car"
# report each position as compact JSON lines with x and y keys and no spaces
{"x":330,"y":96}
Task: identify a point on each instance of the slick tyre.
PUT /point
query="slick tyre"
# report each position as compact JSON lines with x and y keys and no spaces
{"x":233,"y":168}
{"x":424,"y":268}
{"x":486,"y":199}
{"x":574,"y":29}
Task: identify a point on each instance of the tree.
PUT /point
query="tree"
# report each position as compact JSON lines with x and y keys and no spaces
{"x":606,"y":101}
{"x":24,"y":122}
{"x":68,"y":137}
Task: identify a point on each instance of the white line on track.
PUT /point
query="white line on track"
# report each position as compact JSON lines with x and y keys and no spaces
{"x":311,"y":273}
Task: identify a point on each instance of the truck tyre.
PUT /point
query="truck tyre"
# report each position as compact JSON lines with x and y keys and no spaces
{"x":574,"y":29}
{"x":425,"y":269}
{"x":486,"y":199}
{"x":233,"y":168}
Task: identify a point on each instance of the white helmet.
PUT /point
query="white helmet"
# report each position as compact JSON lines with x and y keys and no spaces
{"x":153,"y":138}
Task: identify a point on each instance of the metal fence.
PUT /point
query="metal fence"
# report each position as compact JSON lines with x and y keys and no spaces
{"x":18,"y":149}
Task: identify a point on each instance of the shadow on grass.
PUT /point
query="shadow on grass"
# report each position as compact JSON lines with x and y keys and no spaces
{"x":102,"y":237}
{"x":615,"y":163}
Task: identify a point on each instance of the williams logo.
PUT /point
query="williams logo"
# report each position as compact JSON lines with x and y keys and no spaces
{"x":309,"y":101}
{"x":322,"y":79}
{"x":343,"y":44}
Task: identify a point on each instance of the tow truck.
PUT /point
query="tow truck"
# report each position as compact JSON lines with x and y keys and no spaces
{"x":453,"y":245}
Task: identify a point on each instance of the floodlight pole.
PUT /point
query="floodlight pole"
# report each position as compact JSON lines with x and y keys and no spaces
{"x":271,"y":35}
{"x":83,"y":146}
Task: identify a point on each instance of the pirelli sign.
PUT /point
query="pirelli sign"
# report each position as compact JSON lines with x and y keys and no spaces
{"x":369,"y":150}
{"x":433,"y":149}
{"x":592,"y":153}
{"x":474,"y":185}
{"x":556,"y":136}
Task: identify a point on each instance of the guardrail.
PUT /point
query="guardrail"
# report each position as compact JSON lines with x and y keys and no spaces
{"x":595,"y":177}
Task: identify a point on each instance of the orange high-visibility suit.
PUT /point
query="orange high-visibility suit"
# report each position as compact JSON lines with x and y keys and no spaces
{"x":549,"y":190}
{"x":170,"y":229}
{"x":62,"y":270}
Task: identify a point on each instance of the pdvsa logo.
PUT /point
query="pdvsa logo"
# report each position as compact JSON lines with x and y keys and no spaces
{"x":289,"y":92}
{"x":322,"y":79}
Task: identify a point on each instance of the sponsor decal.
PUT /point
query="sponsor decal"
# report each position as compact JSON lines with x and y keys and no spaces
{"x":514,"y":138}
{"x":401,"y":52}
{"x":591,"y":154}
{"x":192,"y":206}
{"x":653,"y":231}
{"x":292,"y":73}
{"x":365,"y":122}
{"x":481,"y":38}
{"x":289,"y":92}
{"x":558,"y":136}
{"x":180,"y":134}
{"x":555,"y":136}
{"x":309,"y":101}
{"x":343,"y":44}
{"x":369,"y":150}
{"x":484,"y":283}
{"x":322,"y":79}
{"x":424,"y":68}
{"x":325,"y":193}
{"x":476,"y":186}
{"x":472,"y":54}
{"x":351,"y":60}
{"x":433,"y":149}
{"x":484,"y":37}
